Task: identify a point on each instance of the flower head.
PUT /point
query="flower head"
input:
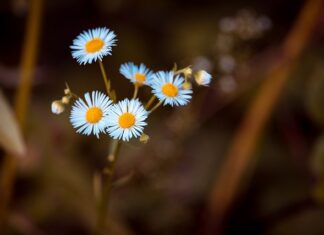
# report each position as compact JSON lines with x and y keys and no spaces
{"x":126,"y":119}
{"x":90,"y":116}
{"x":93,"y":45}
{"x":136,"y":74}
{"x":203,"y":78}
{"x":169,"y":89}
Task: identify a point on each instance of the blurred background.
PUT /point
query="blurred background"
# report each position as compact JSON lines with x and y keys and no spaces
{"x":174,"y":183}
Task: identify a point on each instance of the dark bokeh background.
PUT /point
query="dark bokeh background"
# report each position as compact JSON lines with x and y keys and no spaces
{"x":170,"y":177}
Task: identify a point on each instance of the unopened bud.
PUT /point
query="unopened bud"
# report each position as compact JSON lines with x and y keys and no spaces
{"x":57,"y":107}
{"x":67,"y":91}
{"x":187,"y":72}
{"x":66,"y":99}
{"x":187,"y":86}
{"x":144,"y":138}
{"x":203,"y":78}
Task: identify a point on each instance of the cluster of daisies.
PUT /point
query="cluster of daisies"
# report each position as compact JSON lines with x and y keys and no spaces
{"x":100,"y":113}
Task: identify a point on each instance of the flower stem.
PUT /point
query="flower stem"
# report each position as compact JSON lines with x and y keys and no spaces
{"x":75,"y":95}
{"x":105,"y":78}
{"x":155,"y":107}
{"x":107,"y":176}
{"x":150,"y":102}
{"x":136,"y":88}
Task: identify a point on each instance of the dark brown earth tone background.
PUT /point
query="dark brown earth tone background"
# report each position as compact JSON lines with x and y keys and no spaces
{"x":246,"y":156}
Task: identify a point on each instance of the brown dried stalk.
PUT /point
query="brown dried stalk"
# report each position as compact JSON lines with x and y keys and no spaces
{"x":229,"y":179}
{"x":28,"y":61}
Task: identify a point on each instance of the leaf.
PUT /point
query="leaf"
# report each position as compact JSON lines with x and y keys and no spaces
{"x":10,"y":136}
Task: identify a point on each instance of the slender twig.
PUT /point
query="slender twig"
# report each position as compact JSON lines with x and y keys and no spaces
{"x":155,"y":107}
{"x":105,"y":78}
{"x":136,"y":88}
{"x":240,"y":155}
{"x":107,"y":176}
{"x":28,"y":61}
{"x":150,"y":102}
{"x":74,"y":95}
{"x":108,"y":172}
{"x":68,"y":91}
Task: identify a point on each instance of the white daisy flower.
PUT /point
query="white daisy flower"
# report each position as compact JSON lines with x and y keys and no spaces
{"x":169,"y":89}
{"x":90,"y":116}
{"x":93,"y":45}
{"x":126,"y":119}
{"x":203,"y":78}
{"x":136,"y":74}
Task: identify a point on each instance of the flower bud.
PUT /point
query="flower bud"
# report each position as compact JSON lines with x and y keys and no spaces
{"x":187,"y":86}
{"x":57,"y":107}
{"x":65,"y":99}
{"x":202,"y":78}
{"x":67,"y":91}
{"x":144,"y":138}
{"x":187,"y":72}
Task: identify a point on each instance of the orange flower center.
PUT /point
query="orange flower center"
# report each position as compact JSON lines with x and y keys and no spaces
{"x":94,"y":45}
{"x":126,"y":120}
{"x":140,"y":77}
{"x":94,"y":115}
{"x":170,"y":90}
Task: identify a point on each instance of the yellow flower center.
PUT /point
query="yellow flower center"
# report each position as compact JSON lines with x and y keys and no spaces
{"x":170,"y":90}
{"x":140,"y":78}
{"x":94,"y":45}
{"x":94,"y":115}
{"x":126,"y":120}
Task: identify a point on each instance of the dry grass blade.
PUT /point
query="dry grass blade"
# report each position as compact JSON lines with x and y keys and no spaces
{"x":10,"y":136}
{"x":241,"y":151}
{"x":28,"y":61}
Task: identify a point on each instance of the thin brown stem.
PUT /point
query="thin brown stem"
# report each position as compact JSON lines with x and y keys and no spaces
{"x":241,"y":152}
{"x":105,"y":78}
{"x":75,"y":96}
{"x":107,"y":177}
{"x":150,"y":102}
{"x":136,"y":88}
{"x":155,"y":107}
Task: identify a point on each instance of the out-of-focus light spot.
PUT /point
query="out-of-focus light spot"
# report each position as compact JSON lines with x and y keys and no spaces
{"x":227,"y":24}
{"x":264,"y":23}
{"x":224,"y":43}
{"x":19,"y":7}
{"x":227,"y":63}
{"x":202,"y":62}
{"x":227,"y":84}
